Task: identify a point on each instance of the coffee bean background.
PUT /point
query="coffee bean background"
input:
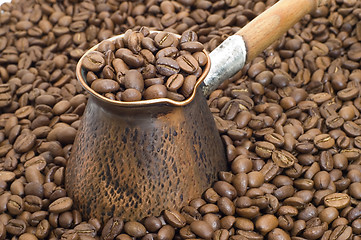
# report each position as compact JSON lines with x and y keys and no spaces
{"x":290,"y":122}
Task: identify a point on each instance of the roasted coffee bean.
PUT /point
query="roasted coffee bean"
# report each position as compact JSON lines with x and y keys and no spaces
{"x":120,"y":66}
{"x":85,"y":230}
{"x":155,"y":91}
{"x":112,"y":228}
{"x":324,"y":141}
{"x":174,"y":82}
{"x":201,"y":229}
{"x":275,"y":139}
{"x":5,"y":95}
{"x":354,"y":190}
{"x":130,"y":95}
{"x":201,"y":58}
{"x":163,"y":40}
{"x":328,"y":214}
{"x":326,"y":160}
{"x":266,"y":223}
{"x":188,"y":63}
{"x":334,"y":121}
{"x":133,"y":79}
{"x":283,"y":159}
{"x":188,"y":36}
{"x":264,"y":149}
{"x":24,"y":142}
{"x":129,"y":58}
{"x":174,"y":218}
{"x":105,"y":86}
{"x":352,"y":129}
{"x":61,"y":205}
{"x":134,"y":229}
{"x":166,"y":232}
{"x":171,"y":52}
{"x":341,"y":232}
{"x":15,"y":205}
{"x":94,"y":61}
{"x":16,"y":227}
{"x":134,"y":41}
{"x":152,"y":224}
{"x":192,"y":46}
{"x":167,"y":66}
{"x":225,"y":189}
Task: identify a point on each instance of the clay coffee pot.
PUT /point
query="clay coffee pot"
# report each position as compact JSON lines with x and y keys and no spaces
{"x":135,"y":159}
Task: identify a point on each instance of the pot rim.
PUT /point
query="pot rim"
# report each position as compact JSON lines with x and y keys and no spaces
{"x":79,"y":74}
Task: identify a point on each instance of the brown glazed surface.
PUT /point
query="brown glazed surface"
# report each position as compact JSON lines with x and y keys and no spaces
{"x":135,"y":162}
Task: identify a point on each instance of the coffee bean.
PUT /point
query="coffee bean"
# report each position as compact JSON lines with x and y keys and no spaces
{"x":134,"y":41}
{"x":334,"y":121}
{"x":352,"y":129}
{"x":163,"y":40}
{"x":166,"y":232}
{"x":5,"y":95}
{"x":155,"y":91}
{"x":326,"y":161}
{"x":201,"y":229}
{"x":152,"y":81}
{"x":225,"y":189}
{"x":341,"y":232}
{"x":283,"y":159}
{"x":171,"y":52}
{"x":134,"y":79}
{"x":188,"y":85}
{"x":148,"y":56}
{"x":152,"y":224}
{"x":119,"y":66}
{"x":149,"y":44}
{"x":192,"y":46}
{"x":347,"y":94}
{"x":174,"y":82}
{"x":85,"y":230}
{"x":175,"y":96}
{"x":134,"y":229}
{"x":94,"y":61}
{"x":24,"y":142}
{"x":130,"y":95}
{"x":16,"y":227}
{"x":266,"y":223}
{"x":105,"y":85}
{"x":112,"y":228}
{"x":201,"y":58}
{"x":15,"y":205}
{"x":174,"y":218}
{"x":188,"y":63}
{"x":264,"y":149}
{"x":324,"y":141}
{"x":61,"y":205}
{"x":354,"y":189}
{"x":188,"y":36}
{"x":167,"y":66}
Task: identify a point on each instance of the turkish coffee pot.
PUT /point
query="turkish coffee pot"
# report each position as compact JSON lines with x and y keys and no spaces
{"x":135,"y":159}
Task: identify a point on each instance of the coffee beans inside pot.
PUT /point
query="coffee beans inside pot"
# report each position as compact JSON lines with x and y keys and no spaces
{"x":131,"y":70}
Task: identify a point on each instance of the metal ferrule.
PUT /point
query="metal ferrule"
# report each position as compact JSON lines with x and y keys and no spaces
{"x":226,"y":60}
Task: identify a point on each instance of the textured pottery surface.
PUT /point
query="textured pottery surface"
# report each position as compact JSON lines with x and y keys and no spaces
{"x":135,"y":162}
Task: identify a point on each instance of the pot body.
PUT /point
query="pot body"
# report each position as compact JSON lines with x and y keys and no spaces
{"x":135,"y":162}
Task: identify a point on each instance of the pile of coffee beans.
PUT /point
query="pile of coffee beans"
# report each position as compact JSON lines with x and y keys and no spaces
{"x":290,"y":122}
{"x":144,"y":65}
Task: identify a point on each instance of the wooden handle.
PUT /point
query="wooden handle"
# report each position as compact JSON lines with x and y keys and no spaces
{"x":262,"y":31}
